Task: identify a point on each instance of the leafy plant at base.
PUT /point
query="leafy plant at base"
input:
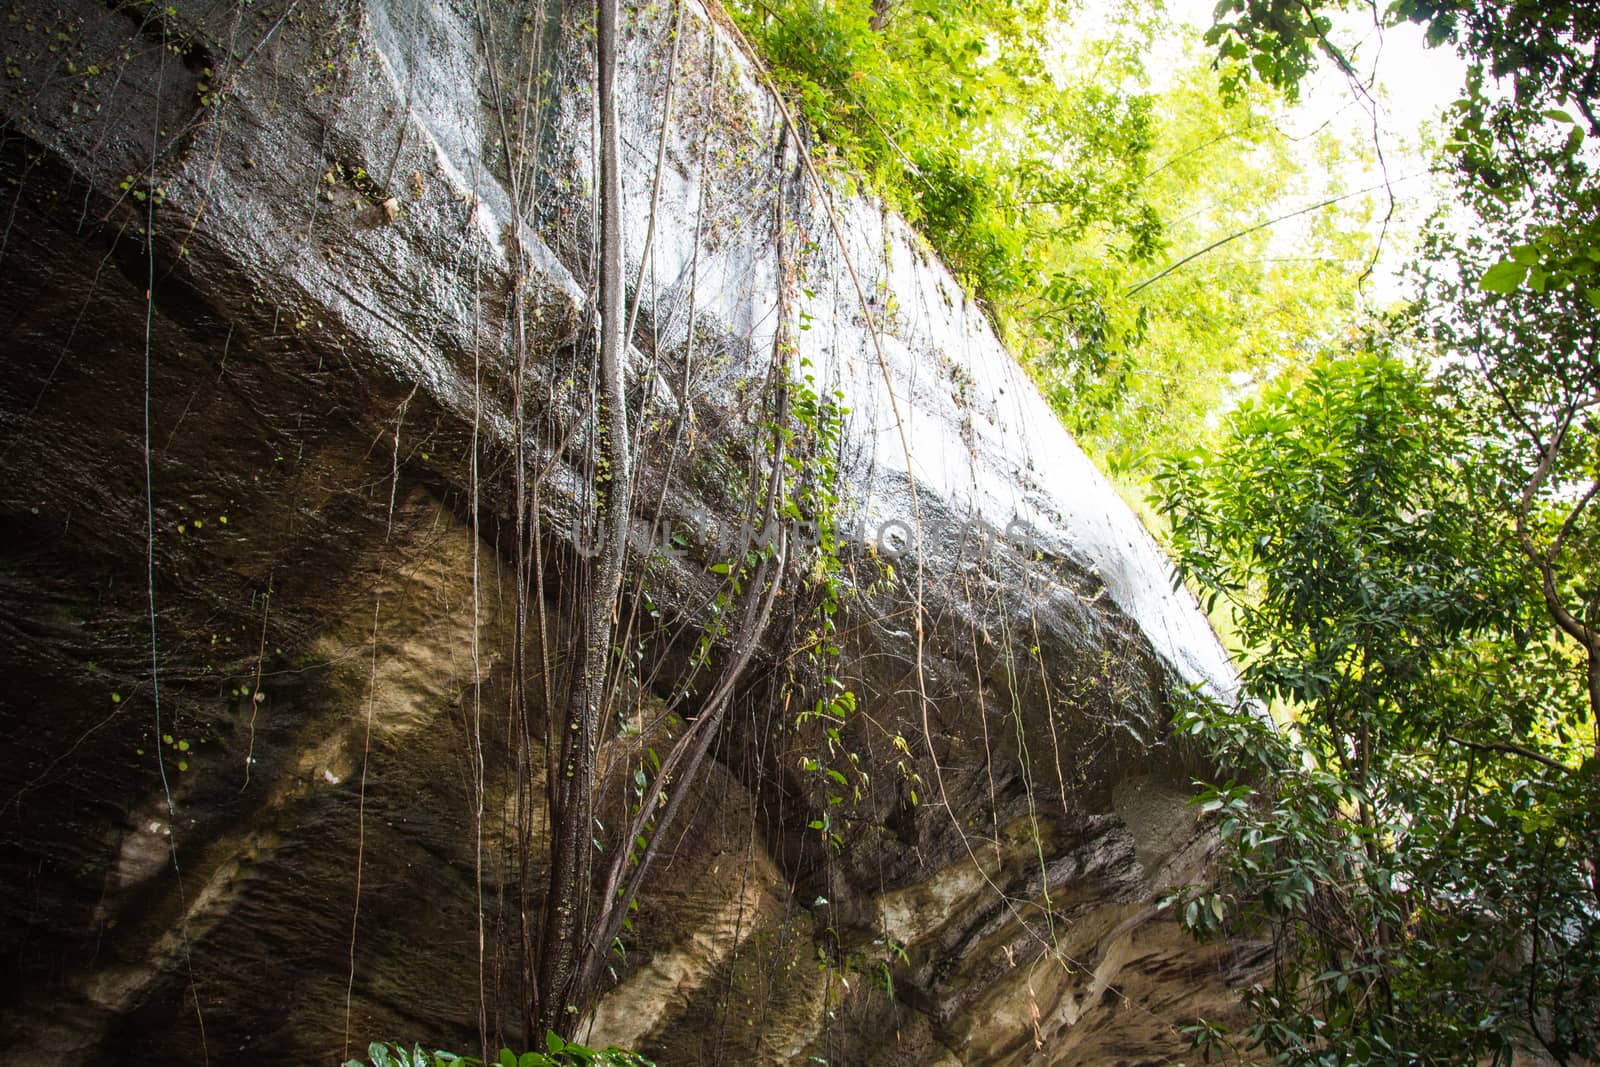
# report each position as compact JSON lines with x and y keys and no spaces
{"x":1455,"y":926}
{"x":558,"y":1053}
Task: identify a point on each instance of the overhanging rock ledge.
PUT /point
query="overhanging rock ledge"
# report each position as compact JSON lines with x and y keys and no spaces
{"x":307,"y":374}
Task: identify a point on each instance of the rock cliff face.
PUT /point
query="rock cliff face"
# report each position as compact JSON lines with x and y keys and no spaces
{"x":263,"y":278}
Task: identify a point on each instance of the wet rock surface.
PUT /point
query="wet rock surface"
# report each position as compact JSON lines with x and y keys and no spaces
{"x":270,"y":449}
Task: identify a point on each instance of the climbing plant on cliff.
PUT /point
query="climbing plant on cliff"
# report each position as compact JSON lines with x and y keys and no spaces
{"x":626,"y":741}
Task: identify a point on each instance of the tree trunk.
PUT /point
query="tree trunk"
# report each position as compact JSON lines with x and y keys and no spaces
{"x":572,"y":816}
{"x":1593,"y":653}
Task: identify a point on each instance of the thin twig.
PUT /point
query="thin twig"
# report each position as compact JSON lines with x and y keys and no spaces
{"x":1214,"y":245}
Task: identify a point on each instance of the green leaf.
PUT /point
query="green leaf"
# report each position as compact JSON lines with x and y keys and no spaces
{"x":1504,"y":277}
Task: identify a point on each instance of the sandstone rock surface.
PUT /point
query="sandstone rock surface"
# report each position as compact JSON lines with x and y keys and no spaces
{"x":270,"y":449}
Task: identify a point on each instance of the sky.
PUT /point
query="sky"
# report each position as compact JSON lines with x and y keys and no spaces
{"x":1413,"y":82}
{"x":1411,"y":85}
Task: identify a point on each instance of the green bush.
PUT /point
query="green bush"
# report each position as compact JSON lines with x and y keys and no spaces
{"x":558,"y":1053}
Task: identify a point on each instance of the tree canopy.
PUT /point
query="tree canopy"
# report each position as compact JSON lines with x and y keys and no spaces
{"x":1059,"y":177}
{"x":1418,"y":841}
{"x":1407,"y":539}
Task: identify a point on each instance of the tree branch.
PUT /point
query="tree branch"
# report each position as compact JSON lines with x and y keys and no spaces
{"x":1572,"y":517}
{"x":1509,"y":748}
{"x":1542,"y":561}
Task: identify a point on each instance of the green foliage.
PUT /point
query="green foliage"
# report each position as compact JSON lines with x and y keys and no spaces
{"x":1408,"y":556}
{"x":1335,"y":519}
{"x":814,"y":438}
{"x":1271,"y":41}
{"x":558,"y":1053}
{"x":952,"y":113}
{"x":1454,"y":924}
{"x":1528,"y":327}
{"x":1235,"y":315}
{"x":1522,"y":335}
{"x":1053,"y":183}
{"x":1528,"y":61}
{"x":1424,"y":873}
{"x":956,"y":115}
{"x":815,"y":502}
{"x":395,"y":1054}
